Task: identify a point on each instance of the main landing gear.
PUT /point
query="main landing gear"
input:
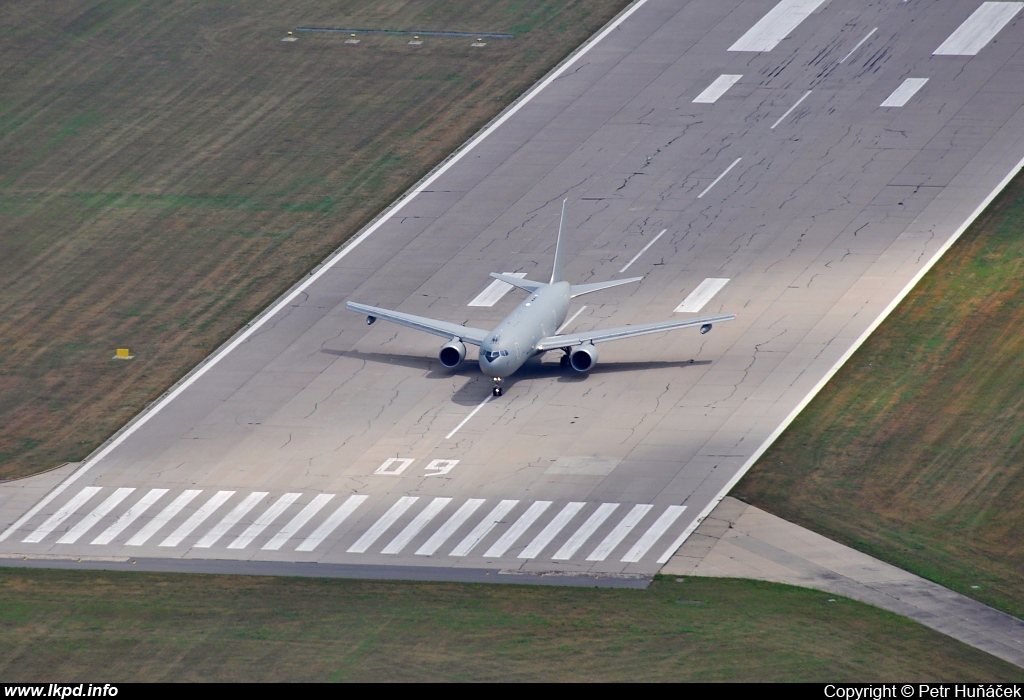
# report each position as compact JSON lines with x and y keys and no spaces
{"x":563,"y":361}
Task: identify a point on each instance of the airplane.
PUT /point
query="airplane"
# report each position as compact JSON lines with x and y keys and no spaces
{"x":532,"y":328}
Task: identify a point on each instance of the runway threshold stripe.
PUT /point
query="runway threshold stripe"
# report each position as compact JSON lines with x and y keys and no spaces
{"x":418,"y":523}
{"x":901,"y":95}
{"x":130,"y":516}
{"x":520,"y":526}
{"x":700,"y":296}
{"x":453,"y":523}
{"x":551,"y":530}
{"x":716,"y":89}
{"x":383,"y":523}
{"x":153,"y":526}
{"x":775,"y":26}
{"x":979,"y":29}
{"x":97,"y":514}
{"x":198,"y":518}
{"x":264,"y":521}
{"x":331,"y":524}
{"x":231,"y":519}
{"x":619,"y":532}
{"x":588,"y":528}
{"x":62,"y":514}
{"x":483,"y":528}
{"x":296,"y":523}
{"x":654,"y":533}
{"x":495,"y":291}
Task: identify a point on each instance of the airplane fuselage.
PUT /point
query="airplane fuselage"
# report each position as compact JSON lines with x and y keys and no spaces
{"x":514,"y":340}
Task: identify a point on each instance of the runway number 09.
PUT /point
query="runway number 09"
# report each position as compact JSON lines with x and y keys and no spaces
{"x":395,"y":466}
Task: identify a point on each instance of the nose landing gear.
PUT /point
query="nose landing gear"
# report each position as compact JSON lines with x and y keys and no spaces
{"x":497,"y":387}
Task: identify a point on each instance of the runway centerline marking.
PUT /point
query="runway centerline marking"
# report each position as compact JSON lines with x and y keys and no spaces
{"x":520,"y":526}
{"x":570,"y":320}
{"x":418,"y":523}
{"x":901,"y":95}
{"x":231,"y":519}
{"x":979,"y":29}
{"x":716,"y":89}
{"x":331,"y":524}
{"x":383,"y":523}
{"x":497,"y":289}
{"x":297,"y":522}
{"x":642,"y":251}
{"x":471,"y":414}
{"x":453,"y":523}
{"x":130,"y":516}
{"x":483,"y":528}
{"x":653,"y":534}
{"x":153,"y":526}
{"x":790,"y":110}
{"x":700,"y":296}
{"x":859,"y":44}
{"x":198,"y":518}
{"x":90,"y":520}
{"x":619,"y":532}
{"x":715,"y":182}
{"x":264,"y":521}
{"x":62,"y":514}
{"x":588,"y":528}
{"x":775,"y":26}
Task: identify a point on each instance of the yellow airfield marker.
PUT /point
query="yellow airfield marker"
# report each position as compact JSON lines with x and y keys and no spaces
{"x":123,"y":354}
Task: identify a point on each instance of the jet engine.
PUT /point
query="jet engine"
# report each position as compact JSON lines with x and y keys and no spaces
{"x":583,"y":358}
{"x":452,"y":354}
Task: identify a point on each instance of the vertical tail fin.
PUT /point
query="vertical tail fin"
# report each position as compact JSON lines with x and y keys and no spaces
{"x":556,"y":269}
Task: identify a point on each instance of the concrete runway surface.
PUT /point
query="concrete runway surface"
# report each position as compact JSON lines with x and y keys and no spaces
{"x":800,"y":163}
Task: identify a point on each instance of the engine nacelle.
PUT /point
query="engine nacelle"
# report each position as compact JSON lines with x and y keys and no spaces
{"x":452,"y":354}
{"x":583,"y":358}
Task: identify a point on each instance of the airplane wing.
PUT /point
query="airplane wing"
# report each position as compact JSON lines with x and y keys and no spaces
{"x":473,"y":336}
{"x":603,"y":336}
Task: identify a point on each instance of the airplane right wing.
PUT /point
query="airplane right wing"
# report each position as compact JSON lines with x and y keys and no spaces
{"x":603,"y":336}
{"x":473,"y":336}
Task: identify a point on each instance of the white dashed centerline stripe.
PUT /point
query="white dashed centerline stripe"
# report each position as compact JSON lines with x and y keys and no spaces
{"x":790,"y":110}
{"x":654,"y":533}
{"x":264,"y":521}
{"x":98,"y":513}
{"x":153,"y":526}
{"x":471,"y":414}
{"x":483,"y":528}
{"x":570,"y":320}
{"x":418,"y":523}
{"x":859,"y":44}
{"x":448,"y":529}
{"x":331,"y":524}
{"x":588,"y":528}
{"x":296,"y":523}
{"x":549,"y":532}
{"x":979,"y":29}
{"x":775,"y":26}
{"x":716,"y":89}
{"x":495,"y":291}
{"x":198,"y":518}
{"x":901,"y":95}
{"x":716,"y":180}
{"x":383,"y":523}
{"x":231,"y":519}
{"x":520,"y":526}
{"x":644,"y":249}
{"x":130,"y":516}
{"x":619,"y":532}
{"x":700,"y":296}
{"x":62,"y":514}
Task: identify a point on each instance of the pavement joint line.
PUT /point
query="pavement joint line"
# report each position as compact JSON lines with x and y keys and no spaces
{"x":790,"y":110}
{"x":859,"y":44}
{"x":726,"y":172}
{"x":644,"y":250}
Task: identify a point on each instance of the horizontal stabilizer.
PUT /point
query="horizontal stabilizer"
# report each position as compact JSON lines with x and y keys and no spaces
{"x":528,"y":285}
{"x":581,"y":289}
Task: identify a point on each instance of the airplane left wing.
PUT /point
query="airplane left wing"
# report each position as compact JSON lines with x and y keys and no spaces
{"x":473,"y":336}
{"x":603,"y":336}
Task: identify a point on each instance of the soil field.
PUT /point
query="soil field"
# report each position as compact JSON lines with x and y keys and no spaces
{"x":914,"y":452}
{"x":163,"y":627}
{"x":169,"y":168}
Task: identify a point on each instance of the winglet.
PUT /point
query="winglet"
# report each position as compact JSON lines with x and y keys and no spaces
{"x":556,"y":269}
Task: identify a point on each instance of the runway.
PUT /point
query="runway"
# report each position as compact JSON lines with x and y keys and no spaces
{"x":801,"y":163}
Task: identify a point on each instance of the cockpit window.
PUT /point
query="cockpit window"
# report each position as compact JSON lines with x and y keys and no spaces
{"x":492,"y":355}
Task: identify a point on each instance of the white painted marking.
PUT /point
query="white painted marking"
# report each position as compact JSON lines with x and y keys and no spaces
{"x":790,"y":110}
{"x":62,"y":514}
{"x":483,"y":528}
{"x":979,"y":29}
{"x":775,"y":26}
{"x":231,"y":519}
{"x":643,"y":250}
{"x":619,"y":532}
{"x":99,"y":512}
{"x":654,"y":533}
{"x":859,"y":44}
{"x":418,"y":523}
{"x":471,"y":414}
{"x":438,"y":467}
{"x":129,"y":516}
{"x":153,"y":526}
{"x":585,"y":531}
{"x":448,"y":529}
{"x":394,"y":466}
{"x":286,"y":301}
{"x":700,"y":296}
{"x":383,"y":523}
{"x":901,"y":95}
{"x":520,"y":526}
{"x":296,"y":523}
{"x":495,"y":291}
{"x":264,"y":521}
{"x":331,"y":524}
{"x":715,"y":182}
{"x":571,"y":319}
{"x":557,"y":524}
{"x":198,"y":518}
{"x":716,"y":89}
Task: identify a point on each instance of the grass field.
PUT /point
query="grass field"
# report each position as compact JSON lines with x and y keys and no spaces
{"x":169,"y":168}
{"x":914,"y":452}
{"x":154,"y":627}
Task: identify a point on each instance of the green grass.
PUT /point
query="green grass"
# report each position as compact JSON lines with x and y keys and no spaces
{"x":150,"y":627}
{"x":914,"y":452}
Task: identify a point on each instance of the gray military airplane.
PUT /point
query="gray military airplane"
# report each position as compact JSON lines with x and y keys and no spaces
{"x":532,"y":328}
